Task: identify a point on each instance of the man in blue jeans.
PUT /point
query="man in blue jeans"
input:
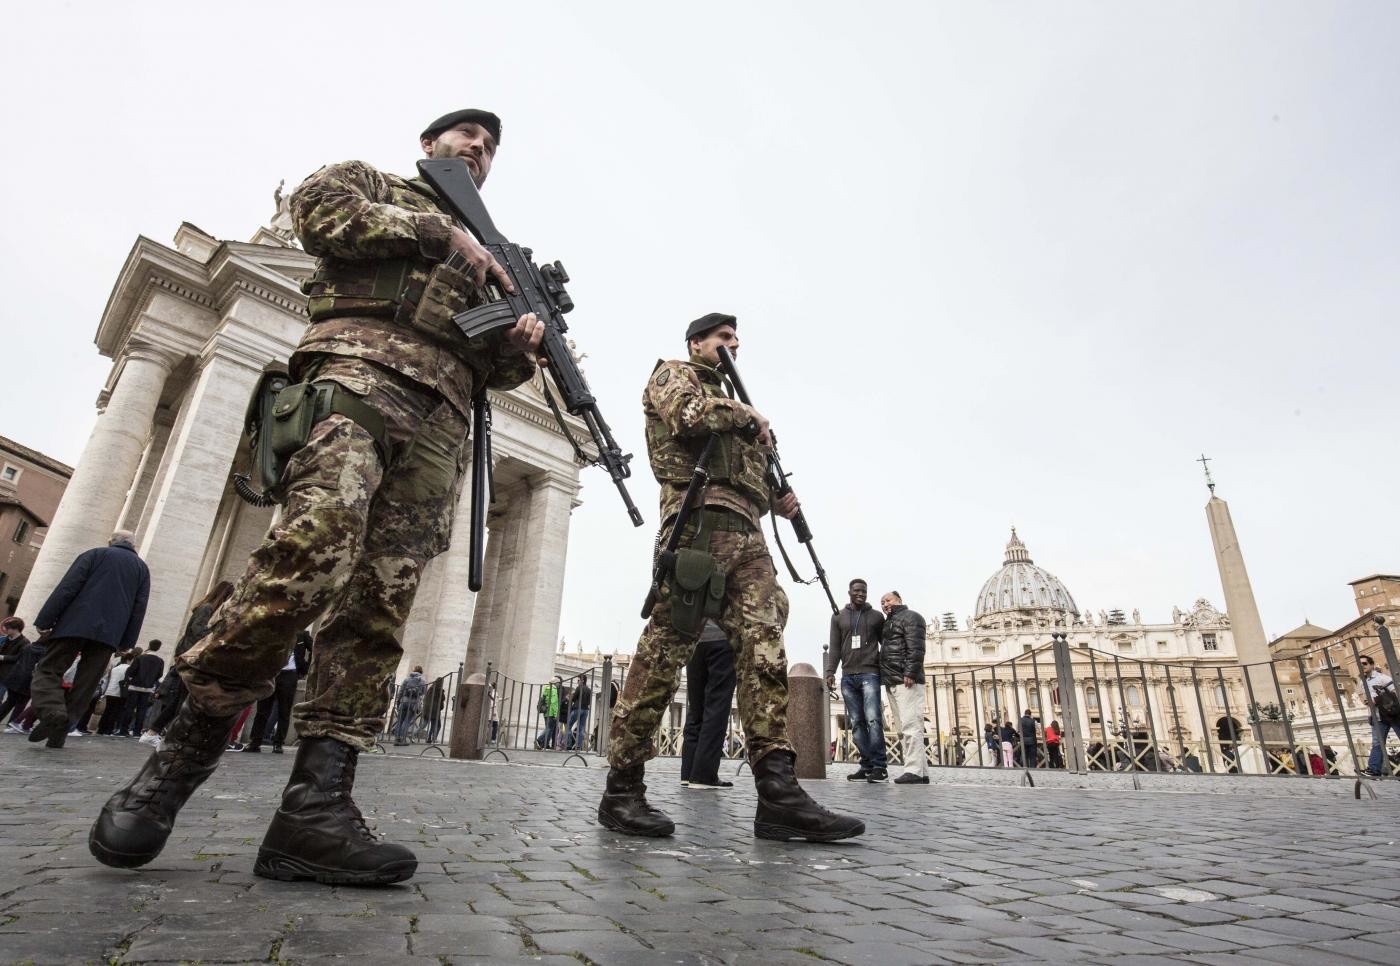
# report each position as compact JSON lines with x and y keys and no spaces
{"x":1381,"y":727}
{"x":855,"y":645}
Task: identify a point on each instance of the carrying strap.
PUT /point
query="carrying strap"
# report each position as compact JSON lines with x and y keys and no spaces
{"x":332,"y":398}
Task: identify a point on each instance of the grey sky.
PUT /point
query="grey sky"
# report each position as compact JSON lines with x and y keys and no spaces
{"x":993,"y":264}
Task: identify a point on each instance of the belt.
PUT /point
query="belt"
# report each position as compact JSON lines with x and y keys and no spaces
{"x":720,"y":518}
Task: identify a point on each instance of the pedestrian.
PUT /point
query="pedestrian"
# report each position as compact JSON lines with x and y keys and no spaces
{"x":576,"y":725}
{"x":686,"y":408}
{"x":96,"y":609}
{"x":1008,"y":745}
{"x":409,"y":704}
{"x":170,"y":695}
{"x":114,"y":693}
{"x":548,"y":706}
{"x":368,"y":499}
{"x":1030,"y":750}
{"x":18,"y":680}
{"x":902,"y":674}
{"x":491,"y":713}
{"x":855,"y":646}
{"x":141,"y":681}
{"x":1385,"y":713}
{"x":433,"y":705}
{"x":283,"y":696}
{"x":1052,"y":745}
{"x":12,"y":644}
{"x":991,"y":737}
{"x":709,"y":694}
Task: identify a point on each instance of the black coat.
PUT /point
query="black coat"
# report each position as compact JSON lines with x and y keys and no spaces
{"x":10,"y":650}
{"x":19,"y":674}
{"x":902,"y":647}
{"x":101,"y":598}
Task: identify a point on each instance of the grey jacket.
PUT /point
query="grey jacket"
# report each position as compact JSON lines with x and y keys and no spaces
{"x":866,"y":622}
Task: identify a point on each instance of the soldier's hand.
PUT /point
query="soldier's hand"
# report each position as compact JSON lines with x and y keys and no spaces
{"x":525,"y":335}
{"x":764,"y":434}
{"x":786,"y":506}
{"x":480,"y":262}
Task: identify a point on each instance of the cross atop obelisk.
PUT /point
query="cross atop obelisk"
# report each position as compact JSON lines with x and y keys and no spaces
{"x":1205,"y":463}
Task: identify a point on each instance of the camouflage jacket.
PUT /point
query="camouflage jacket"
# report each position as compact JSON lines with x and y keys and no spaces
{"x":387,"y":284}
{"x":684,"y":403}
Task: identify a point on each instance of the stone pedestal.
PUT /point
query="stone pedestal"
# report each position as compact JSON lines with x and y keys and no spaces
{"x":466,"y":740}
{"x":804,"y":724}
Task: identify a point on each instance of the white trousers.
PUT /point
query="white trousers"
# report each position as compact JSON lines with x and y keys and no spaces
{"x":907,"y":710}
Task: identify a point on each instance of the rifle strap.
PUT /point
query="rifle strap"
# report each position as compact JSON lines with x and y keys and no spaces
{"x":580,"y":456}
{"x":792,"y":571}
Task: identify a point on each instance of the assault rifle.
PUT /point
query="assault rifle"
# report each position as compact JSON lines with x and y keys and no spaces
{"x":538,"y":289}
{"x":778,"y":483}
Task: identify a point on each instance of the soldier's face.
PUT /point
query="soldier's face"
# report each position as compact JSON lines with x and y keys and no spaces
{"x":469,"y":141}
{"x":707,"y":346}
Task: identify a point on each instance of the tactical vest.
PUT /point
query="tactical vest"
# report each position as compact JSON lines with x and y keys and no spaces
{"x":414,"y":293}
{"x":737,"y":461}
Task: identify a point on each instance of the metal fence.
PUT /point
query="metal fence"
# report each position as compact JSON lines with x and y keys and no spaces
{"x":1302,"y":716}
{"x":567,"y":715}
{"x":423,"y":723}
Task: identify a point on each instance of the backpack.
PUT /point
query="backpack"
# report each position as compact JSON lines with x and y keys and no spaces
{"x":412,"y":690}
{"x":1388,"y":704}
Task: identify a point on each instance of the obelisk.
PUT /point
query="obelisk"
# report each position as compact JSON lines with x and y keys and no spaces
{"x":1245,"y":625}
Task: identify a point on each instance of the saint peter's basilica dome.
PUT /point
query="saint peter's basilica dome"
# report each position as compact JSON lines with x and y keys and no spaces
{"x":1021,"y":591}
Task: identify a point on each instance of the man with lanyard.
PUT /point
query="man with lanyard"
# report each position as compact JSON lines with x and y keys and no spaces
{"x":688,"y":415}
{"x":855,"y":645}
{"x":1377,"y":685}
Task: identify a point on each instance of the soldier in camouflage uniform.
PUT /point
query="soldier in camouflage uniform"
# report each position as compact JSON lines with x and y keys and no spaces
{"x":367,"y":502}
{"x":685,"y":404}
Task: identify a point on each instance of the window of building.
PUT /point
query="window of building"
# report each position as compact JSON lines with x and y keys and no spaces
{"x":1026,"y":648}
{"x":1134,"y":696}
{"x":21,"y":531}
{"x":1208,"y":642}
{"x":1125,"y":647}
{"x":989,"y":648}
{"x":1220,"y":695}
{"x":1034,"y":700}
{"x":1091,"y":698}
{"x":10,"y":474}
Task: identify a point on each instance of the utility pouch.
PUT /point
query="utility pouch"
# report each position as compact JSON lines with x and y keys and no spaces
{"x":697,"y":591}
{"x":265,"y":465}
{"x":293,"y":415}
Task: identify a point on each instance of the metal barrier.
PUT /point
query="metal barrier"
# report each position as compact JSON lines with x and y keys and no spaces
{"x":426,"y":722}
{"x":568,"y":715}
{"x":1304,"y":716}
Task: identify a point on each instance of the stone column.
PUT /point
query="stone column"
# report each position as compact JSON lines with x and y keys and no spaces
{"x":186,"y":503}
{"x":488,"y":625}
{"x":151,"y":459}
{"x":537,"y":578}
{"x":456,"y":602}
{"x":93,"y":501}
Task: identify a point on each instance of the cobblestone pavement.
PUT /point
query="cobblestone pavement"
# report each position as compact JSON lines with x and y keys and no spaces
{"x":512,"y":868}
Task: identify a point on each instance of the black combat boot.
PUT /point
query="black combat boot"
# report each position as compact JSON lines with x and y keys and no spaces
{"x":785,"y":811}
{"x":319,"y":834}
{"x":134,"y":824}
{"x":624,"y":806}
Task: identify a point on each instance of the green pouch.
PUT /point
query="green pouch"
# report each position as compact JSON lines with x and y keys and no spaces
{"x":697,"y":591}
{"x":293,"y":415}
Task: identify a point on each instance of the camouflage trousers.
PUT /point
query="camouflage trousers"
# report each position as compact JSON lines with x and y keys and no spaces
{"x":352,"y":540}
{"x":755,"y":613}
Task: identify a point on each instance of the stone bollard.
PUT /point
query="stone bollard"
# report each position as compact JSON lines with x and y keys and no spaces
{"x":466,"y":718}
{"x":804,"y":724}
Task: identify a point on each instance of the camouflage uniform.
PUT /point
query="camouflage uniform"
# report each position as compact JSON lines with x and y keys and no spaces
{"x":355,"y":532}
{"x":684,"y":403}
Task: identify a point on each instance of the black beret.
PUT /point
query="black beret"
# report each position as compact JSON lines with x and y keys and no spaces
{"x":486,"y":119}
{"x":707,"y":322}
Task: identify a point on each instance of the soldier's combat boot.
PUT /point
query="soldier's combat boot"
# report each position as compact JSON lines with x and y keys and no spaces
{"x":319,"y":834}
{"x":134,"y":824}
{"x":786,"y":812}
{"x":624,"y":806}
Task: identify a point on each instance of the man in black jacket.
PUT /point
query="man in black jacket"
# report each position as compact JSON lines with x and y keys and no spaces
{"x":1029,"y":748}
{"x":12,"y":642}
{"x":902,"y":674}
{"x":141,"y":682}
{"x":855,"y":645}
{"x":96,"y":609}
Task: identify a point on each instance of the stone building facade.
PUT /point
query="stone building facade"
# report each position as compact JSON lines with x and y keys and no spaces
{"x":190,"y":329}
{"x":31,"y":486}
